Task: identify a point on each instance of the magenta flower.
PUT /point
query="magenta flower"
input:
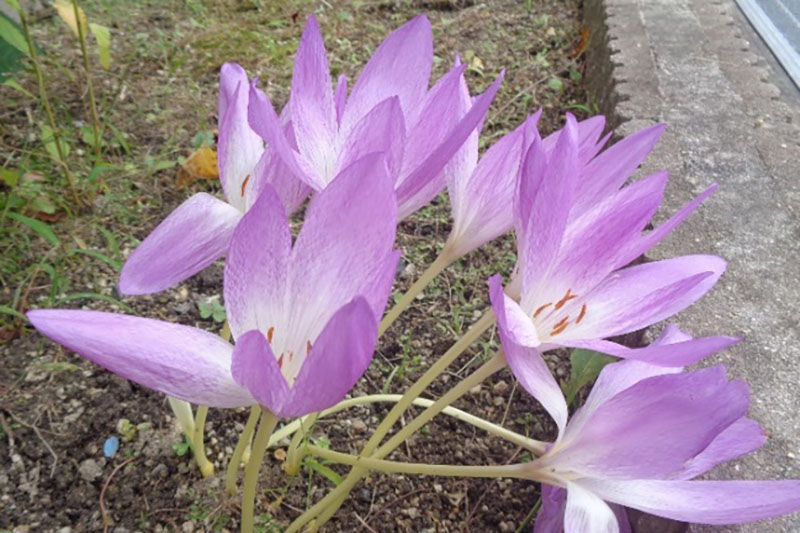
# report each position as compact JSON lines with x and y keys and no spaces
{"x":390,"y":110}
{"x":642,"y":434}
{"x":304,"y":317}
{"x":198,"y":232}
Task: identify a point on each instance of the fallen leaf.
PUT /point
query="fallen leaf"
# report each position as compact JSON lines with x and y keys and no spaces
{"x":202,"y":164}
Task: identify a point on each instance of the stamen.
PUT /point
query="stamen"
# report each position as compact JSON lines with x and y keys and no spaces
{"x":564,"y":321}
{"x":308,"y":347}
{"x":559,"y":329}
{"x":280,"y":362}
{"x":244,"y":184}
{"x":542,"y":308}
{"x":270,"y":333}
{"x":581,"y":315}
{"x":567,"y":297}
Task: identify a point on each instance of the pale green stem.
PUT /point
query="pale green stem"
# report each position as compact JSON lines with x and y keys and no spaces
{"x":89,"y":84}
{"x":440,"y":263}
{"x":393,"y":467}
{"x":231,"y":475}
{"x":327,"y":506}
{"x":294,"y":454}
{"x":183,"y":413}
{"x":206,"y":466}
{"x":265,"y":428}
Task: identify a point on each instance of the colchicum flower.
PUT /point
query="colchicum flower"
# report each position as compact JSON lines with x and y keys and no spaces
{"x":198,"y":232}
{"x":643,"y":433}
{"x":304,"y":317}
{"x":390,"y":109}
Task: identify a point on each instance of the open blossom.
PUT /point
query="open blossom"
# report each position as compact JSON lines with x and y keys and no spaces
{"x":198,"y":232}
{"x":643,"y":433}
{"x":304,"y":317}
{"x":389,"y":109}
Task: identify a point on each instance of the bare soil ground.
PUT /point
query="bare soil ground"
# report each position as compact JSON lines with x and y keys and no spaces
{"x":57,"y":409}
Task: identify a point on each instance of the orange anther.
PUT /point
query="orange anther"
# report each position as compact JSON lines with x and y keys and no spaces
{"x":559,"y":329}
{"x":308,"y":347}
{"x":581,"y":315}
{"x":270,"y":333}
{"x":542,"y":308}
{"x":563,"y":322}
{"x":280,"y":362}
{"x":244,"y":184}
{"x":567,"y":297}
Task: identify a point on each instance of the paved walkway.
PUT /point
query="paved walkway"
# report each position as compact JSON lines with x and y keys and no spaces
{"x":734,"y":118}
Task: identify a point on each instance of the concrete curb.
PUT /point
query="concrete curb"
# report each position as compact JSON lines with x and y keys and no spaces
{"x":734,"y":119}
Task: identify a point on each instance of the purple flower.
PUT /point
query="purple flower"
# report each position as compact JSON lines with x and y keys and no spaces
{"x":390,"y":109}
{"x":642,"y":434}
{"x":304,"y":316}
{"x":198,"y":232}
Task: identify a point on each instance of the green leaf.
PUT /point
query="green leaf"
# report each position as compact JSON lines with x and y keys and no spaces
{"x":112,"y":242}
{"x":6,"y":310}
{"x":586,"y":366}
{"x":43,"y":204}
{"x":14,"y":84}
{"x":94,"y":296}
{"x":38,"y":226}
{"x":120,"y":138}
{"x":14,"y":5}
{"x":323,"y":470}
{"x":9,"y":177}
{"x":49,"y":140}
{"x":97,"y":255}
{"x":103,"y":37}
{"x":575,"y":75}
{"x":555,"y":84}
{"x":11,"y":32}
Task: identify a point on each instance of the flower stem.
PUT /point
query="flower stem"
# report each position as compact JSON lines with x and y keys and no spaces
{"x":295,"y":454}
{"x":394,"y":467}
{"x":206,"y":466}
{"x":89,"y":84}
{"x":442,"y":261}
{"x":244,"y":441}
{"x":265,"y":428}
{"x":328,"y":505}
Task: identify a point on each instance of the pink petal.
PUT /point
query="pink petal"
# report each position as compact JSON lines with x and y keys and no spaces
{"x":550,"y":518}
{"x":256,"y":368}
{"x":192,"y":237}
{"x":312,"y":105}
{"x":400,"y":66}
{"x":256,"y":268}
{"x":672,"y":355}
{"x":381,"y":130}
{"x":703,"y":502}
{"x":740,"y":438}
{"x":239,"y":147}
{"x":340,"y":97}
{"x":180,"y":361}
{"x":271,"y":170}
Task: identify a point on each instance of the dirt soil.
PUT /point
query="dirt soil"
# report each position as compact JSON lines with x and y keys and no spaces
{"x":57,"y":409}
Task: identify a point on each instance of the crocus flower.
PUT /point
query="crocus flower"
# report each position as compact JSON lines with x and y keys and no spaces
{"x":198,"y":232}
{"x":643,"y":433}
{"x":304,"y":317}
{"x":390,"y":109}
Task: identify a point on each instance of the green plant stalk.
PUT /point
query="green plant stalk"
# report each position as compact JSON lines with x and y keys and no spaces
{"x":442,"y":261}
{"x":328,"y":505}
{"x":244,"y":441}
{"x":206,"y":466}
{"x":96,"y":128}
{"x":265,"y":429}
{"x":294,"y":454}
{"x":48,"y":110}
{"x":528,"y":517}
{"x":394,"y":467}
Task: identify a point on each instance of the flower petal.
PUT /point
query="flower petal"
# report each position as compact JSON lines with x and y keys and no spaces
{"x":338,"y":358}
{"x":271,"y":170}
{"x":340,"y":97}
{"x":193,"y":236}
{"x":312,"y":105}
{"x":740,"y":438}
{"x":525,"y":362}
{"x":586,"y":513}
{"x":672,"y":355}
{"x":703,"y":502}
{"x":381,"y":130}
{"x":341,"y":249}
{"x":256,"y":268}
{"x":256,"y":368}
{"x":239,"y":147}
{"x":400,"y":66}
{"x":181,"y":361}
{"x":550,"y":518}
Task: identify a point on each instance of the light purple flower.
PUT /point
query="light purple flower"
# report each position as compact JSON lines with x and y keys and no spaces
{"x":198,"y":232}
{"x":390,"y":109}
{"x":643,"y":432}
{"x":304,"y":316}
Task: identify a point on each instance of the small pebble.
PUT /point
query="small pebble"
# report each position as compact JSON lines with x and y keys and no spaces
{"x":90,"y":470}
{"x":359,"y":426}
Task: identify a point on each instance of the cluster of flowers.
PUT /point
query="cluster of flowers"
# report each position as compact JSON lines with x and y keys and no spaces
{"x":304,"y":312}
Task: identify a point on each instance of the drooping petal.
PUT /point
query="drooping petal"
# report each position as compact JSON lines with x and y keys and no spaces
{"x":550,"y":518}
{"x":740,"y":438}
{"x":262,"y":118}
{"x":703,"y":502}
{"x":641,"y":295}
{"x":673,"y":355}
{"x":666,"y":421}
{"x":312,"y":104}
{"x":525,"y":362}
{"x":193,"y":236}
{"x":426,"y":180}
{"x":239,"y":147}
{"x":586,"y":513}
{"x":338,"y":358}
{"x":271,"y":170}
{"x":381,"y":130}
{"x":181,"y":361}
{"x":256,"y":368}
{"x":400,"y":66}
{"x":348,"y":231}
{"x":608,"y":171}
{"x":256,"y":270}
